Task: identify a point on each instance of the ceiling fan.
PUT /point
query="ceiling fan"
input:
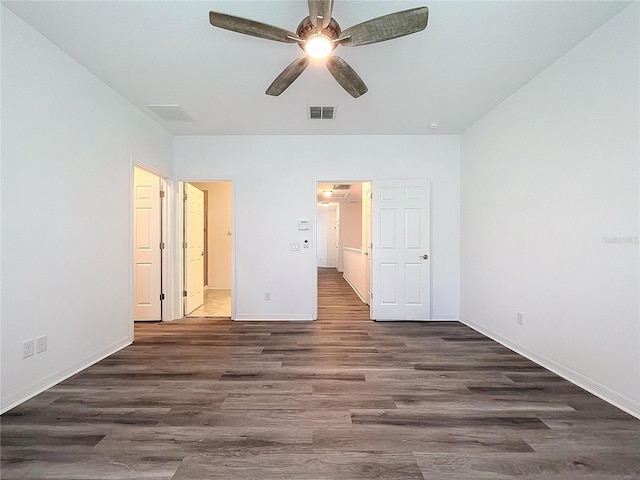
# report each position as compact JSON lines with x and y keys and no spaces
{"x":319,"y":34}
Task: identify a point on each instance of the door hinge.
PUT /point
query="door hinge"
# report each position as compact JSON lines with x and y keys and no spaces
{"x":184,"y":293}
{"x":184,"y":244}
{"x":162,"y":296}
{"x":184,"y":197}
{"x":161,"y":245}
{"x":161,"y":193}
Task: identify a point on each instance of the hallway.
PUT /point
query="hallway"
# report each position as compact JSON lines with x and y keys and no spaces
{"x":336,"y":299}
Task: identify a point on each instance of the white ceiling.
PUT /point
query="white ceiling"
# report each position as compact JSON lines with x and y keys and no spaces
{"x":353,"y":194}
{"x":472,"y":56}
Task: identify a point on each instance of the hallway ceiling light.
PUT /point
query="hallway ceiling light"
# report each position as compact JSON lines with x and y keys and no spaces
{"x":326,"y":193}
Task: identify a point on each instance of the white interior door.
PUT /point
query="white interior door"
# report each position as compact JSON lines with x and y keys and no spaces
{"x":194,"y":248}
{"x":147,"y":267}
{"x":401,"y":241}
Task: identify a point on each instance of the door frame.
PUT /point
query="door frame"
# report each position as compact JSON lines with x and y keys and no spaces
{"x":346,"y":179}
{"x":178,"y":234}
{"x":166,"y":256}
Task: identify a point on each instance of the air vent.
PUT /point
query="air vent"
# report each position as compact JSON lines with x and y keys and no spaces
{"x":341,"y":186}
{"x":316,"y":112}
{"x":338,"y":195}
{"x":170,"y":113}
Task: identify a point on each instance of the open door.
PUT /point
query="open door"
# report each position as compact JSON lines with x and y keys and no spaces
{"x":401,"y":249}
{"x":193,"y":248}
{"x":147,"y":246}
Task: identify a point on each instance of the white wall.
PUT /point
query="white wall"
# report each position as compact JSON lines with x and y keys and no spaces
{"x":550,"y":214}
{"x":67,"y":143}
{"x":355,"y":272}
{"x":275,"y":187}
{"x":351,"y":225}
{"x":325,"y":236}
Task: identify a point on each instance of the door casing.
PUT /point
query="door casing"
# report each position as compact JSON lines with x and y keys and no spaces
{"x":178,"y":284}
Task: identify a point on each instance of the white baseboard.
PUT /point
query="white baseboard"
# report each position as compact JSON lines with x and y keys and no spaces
{"x":444,"y":318}
{"x":40,"y":386}
{"x":353,"y":287}
{"x":602,"y":391}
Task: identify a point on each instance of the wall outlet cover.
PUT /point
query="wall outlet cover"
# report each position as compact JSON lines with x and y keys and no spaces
{"x":28,"y":348}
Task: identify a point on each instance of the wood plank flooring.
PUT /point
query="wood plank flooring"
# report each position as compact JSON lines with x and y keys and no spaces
{"x":339,"y":398}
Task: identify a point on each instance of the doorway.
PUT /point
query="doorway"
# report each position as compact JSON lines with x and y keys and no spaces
{"x":207,"y":234}
{"x":343,"y":232}
{"x":383,"y":243}
{"x":148,"y":245}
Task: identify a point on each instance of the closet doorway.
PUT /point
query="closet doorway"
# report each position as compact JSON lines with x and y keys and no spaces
{"x":214,"y":270}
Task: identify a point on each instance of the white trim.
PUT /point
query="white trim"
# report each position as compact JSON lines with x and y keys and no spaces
{"x":444,"y":318}
{"x":402,"y":321}
{"x":629,"y":405}
{"x":314,"y":233}
{"x":60,"y":376}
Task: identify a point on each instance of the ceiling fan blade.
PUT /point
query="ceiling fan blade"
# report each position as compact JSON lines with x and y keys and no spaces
{"x":251,"y":27}
{"x":288,"y":75}
{"x":320,"y":12}
{"x":346,"y":76}
{"x":383,"y":28}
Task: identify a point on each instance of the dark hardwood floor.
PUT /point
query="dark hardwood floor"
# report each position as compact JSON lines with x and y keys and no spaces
{"x":339,"y":398}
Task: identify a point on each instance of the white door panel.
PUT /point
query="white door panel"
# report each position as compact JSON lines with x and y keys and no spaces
{"x":194,"y":252}
{"x":401,"y":237}
{"x":146,"y":246}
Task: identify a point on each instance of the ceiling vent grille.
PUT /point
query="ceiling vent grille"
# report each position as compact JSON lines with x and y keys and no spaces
{"x":341,"y":186}
{"x":170,"y":113}
{"x":317,"y":112}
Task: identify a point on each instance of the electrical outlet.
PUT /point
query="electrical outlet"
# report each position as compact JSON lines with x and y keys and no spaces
{"x":520,"y":318}
{"x":28,"y":348}
{"x":41,"y":344}
{"x":267,"y":295}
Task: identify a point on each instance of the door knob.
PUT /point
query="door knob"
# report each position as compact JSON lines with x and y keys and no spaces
{"x":424,"y":257}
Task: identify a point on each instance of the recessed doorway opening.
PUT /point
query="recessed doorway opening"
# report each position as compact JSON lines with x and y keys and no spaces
{"x":343,"y":232}
{"x":207,"y":249}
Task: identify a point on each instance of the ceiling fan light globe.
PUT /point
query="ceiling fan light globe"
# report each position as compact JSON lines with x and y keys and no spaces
{"x":318,"y":46}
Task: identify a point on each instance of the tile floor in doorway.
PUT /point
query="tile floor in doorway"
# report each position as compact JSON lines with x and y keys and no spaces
{"x":217,"y":303}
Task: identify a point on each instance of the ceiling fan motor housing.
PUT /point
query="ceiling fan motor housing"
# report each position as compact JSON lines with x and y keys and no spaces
{"x":308,"y":28}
